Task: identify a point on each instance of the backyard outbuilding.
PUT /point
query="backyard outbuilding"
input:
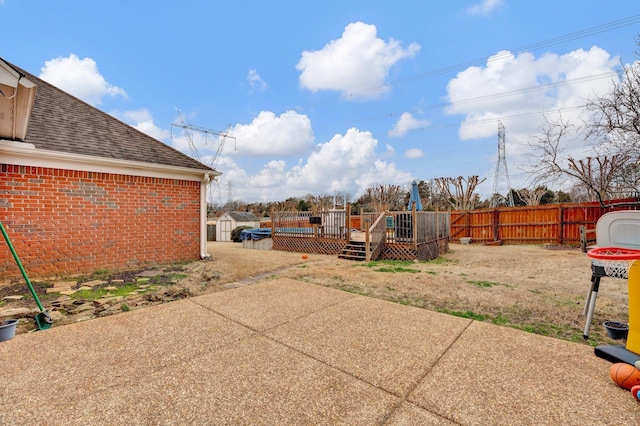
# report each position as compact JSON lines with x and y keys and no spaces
{"x":231,"y":220}
{"x":82,"y":191}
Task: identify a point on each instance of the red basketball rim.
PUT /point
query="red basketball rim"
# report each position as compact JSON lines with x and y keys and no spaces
{"x":613,"y":253}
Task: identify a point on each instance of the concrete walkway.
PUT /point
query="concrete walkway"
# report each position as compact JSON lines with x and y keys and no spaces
{"x":287,"y":352}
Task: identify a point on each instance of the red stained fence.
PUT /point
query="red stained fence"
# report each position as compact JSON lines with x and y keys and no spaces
{"x":547,"y":224}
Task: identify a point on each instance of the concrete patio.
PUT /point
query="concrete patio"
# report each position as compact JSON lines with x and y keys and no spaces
{"x":288,"y":352}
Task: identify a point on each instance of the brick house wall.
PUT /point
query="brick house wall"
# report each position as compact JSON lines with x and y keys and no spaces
{"x":81,"y":221}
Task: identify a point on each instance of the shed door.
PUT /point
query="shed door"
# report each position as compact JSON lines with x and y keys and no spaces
{"x":225,"y":230}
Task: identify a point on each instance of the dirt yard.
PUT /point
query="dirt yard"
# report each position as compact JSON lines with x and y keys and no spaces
{"x":533,"y":288}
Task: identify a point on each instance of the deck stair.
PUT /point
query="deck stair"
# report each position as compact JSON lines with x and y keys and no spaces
{"x":355,"y":250}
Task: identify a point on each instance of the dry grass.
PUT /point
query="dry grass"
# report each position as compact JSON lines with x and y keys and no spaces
{"x":525,"y":287}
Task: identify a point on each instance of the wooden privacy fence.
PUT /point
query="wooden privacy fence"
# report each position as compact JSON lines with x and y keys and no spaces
{"x":546,"y":224}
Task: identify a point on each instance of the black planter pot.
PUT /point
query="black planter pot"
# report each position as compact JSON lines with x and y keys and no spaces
{"x":616,"y":330}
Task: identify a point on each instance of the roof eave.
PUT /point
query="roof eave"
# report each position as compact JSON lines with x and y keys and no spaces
{"x":25,"y":154}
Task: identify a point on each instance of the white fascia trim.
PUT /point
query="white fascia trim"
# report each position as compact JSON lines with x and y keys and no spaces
{"x":25,"y":154}
{"x":10,"y":77}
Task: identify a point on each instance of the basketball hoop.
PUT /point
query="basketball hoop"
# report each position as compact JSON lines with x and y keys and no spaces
{"x":615,"y":260}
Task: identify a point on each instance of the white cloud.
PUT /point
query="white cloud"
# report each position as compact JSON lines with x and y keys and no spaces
{"x":346,"y":163}
{"x":335,"y":164}
{"x":79,"y":77}
{"x":533,"y":88}
{"x":272,"y":174}
{"x":143,"y":121}
{"x":382,"y":173}
{"x":256,"y":83}
{"x":484,"y":8}
{"x":285,"y":135}
{"x":405,"y":123}
{"x":356,"y":64}
{"x":414,"y":153}
{"x":389,"y":152}
{"x":521,"y":79}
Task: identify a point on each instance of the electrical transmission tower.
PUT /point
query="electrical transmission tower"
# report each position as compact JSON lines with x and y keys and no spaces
{"x":229,"y":192}
{"x":502,"y":174}
{"x":188,"y":131}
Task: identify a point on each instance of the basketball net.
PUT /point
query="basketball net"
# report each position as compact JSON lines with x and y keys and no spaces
{"x":615,"y":261}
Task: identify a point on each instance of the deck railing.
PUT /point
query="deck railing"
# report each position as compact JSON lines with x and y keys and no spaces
{"x":375,"y":238}
{"x":389,"y":235}
{"x":416,"y":227}
{"x":305,"y":224}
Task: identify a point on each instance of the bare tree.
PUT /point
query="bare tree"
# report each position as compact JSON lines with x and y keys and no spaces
{"x":532,"y":197}
{"x":327,"y":202}
{"x":430,"y":196}
{"x":548,"y":159}
{"x":627,"y":184}
{"x":385,"y":197}
{"x":462,"y":196}
{"x":616,"y":119}
{"x":288,"y":205}
{"x":598,"y":173}
{"x":580,"y":193}
{"x":319,"y":202}
{"x":616,"y":115}
{"x":341,"y":198}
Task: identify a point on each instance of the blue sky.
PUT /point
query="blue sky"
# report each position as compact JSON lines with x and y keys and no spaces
{"x":328,"y":96}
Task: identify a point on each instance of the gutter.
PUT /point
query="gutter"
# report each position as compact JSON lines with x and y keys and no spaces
{"x":26,"y":154}
{"x":206,"y":181}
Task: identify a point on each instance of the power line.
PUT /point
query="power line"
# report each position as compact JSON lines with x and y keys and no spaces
{"x":497,"y":95}
{"x":613,"y":25}
{"x":505,"y":53}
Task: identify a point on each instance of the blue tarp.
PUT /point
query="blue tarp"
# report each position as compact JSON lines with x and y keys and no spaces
{"x":260,"y":233}
{"x":255,"y":234}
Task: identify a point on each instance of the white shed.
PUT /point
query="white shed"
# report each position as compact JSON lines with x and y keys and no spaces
{"x":231,"y":220}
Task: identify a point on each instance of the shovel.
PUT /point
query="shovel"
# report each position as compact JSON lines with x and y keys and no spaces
{"x":43,"y":319}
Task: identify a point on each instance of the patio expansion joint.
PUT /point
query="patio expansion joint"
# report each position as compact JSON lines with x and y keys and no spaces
{"x":261,"y":331}
{"x":404,"y":398}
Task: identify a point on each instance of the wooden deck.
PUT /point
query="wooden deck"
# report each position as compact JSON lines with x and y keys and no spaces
{"x":388,"y":235}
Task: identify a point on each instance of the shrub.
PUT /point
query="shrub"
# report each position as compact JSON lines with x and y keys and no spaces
{"x":235,"y":234}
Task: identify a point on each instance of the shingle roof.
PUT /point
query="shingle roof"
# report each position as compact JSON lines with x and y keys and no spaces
{"x":62,"y":122}
{"x":243,"y":216}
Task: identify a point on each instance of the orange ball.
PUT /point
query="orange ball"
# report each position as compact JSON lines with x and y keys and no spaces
{"x":624,"y":375}
{"x":304,"y":256}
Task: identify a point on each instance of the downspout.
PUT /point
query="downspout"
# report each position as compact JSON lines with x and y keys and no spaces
{"x":206,"y":179}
